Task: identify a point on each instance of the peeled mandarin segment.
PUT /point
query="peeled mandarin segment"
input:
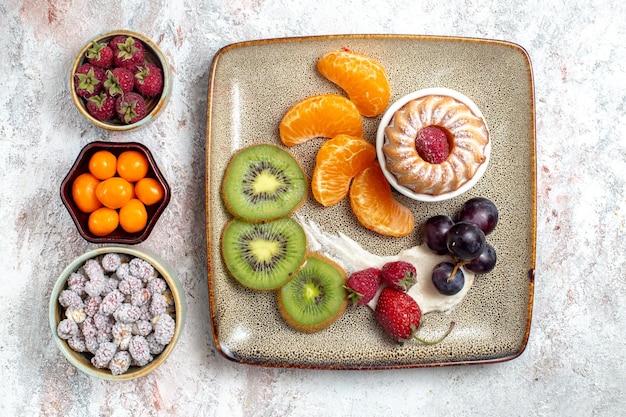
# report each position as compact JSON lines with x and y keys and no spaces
{"x":338,"y":161}
{"x":362,"y":78}
{"x":323,"y":115}
{"x":375,"y":207}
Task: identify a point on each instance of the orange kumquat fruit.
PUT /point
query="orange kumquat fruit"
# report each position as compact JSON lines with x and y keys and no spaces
{"x":363,"y":79}
{"x":323,"y":115}
{"x":103,"y":221}
{"x":375,"y":206}
{"x":103,"y":164}
{"x":132,"y":165}
{"x":84,"y":192}
{"x":114,"y":192}
{"x":337,"y":162}
{"x":149,"y":191}
{"x":133,"y":216}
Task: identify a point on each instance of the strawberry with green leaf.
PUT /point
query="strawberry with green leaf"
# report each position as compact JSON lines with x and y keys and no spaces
{"x":101,"y":106}
{"x":130,"y":108}
{"x":399,"y":275}
{"x":119,"y":81}
{"x":88,"y":80}
{"x":398,"y":314}
{"x":100,"y":55}
{"x":149,"y":80}
{"x":128,"y":52}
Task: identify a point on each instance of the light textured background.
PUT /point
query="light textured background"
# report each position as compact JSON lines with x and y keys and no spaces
{"x":574,"y":362}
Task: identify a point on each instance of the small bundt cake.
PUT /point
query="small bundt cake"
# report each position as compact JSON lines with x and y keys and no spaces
{"x":467,"y":136}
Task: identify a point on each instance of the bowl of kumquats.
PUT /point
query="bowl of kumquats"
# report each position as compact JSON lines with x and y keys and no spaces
{"x":115,"y":192}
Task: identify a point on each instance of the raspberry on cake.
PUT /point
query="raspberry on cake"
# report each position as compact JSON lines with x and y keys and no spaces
{"x":436,"y":142}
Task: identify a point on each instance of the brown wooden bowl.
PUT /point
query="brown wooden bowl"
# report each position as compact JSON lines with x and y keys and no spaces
{"x":81,"y":166}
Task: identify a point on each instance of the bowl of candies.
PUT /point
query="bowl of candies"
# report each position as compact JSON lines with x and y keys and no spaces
{"x":116,"y":312}
{"x":115,"y":192}
{"x":120,"y":80}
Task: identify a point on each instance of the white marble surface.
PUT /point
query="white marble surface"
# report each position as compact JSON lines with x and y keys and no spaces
{"x":574,"y":362}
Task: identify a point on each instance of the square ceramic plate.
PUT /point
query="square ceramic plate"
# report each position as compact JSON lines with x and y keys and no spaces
{"x":251,"y":86}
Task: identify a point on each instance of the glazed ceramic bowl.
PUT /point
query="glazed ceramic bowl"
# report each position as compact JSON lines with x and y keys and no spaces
{"x":154,"y":105}
{"x":381,"y":139}
{"x":81,"y":219}
{"x":82,"y":361}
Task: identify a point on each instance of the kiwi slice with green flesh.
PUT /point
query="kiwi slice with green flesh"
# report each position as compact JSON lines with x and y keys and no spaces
{"x":263,"y":182}
{"x":263,"y":256}
{"x":315,"y":298}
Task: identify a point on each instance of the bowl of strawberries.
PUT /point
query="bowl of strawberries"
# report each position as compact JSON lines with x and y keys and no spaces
{"x":120,"y":80}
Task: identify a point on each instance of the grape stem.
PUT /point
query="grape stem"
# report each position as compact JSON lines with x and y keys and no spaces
{"x":434,"y":342}
{"x":457,"y":265}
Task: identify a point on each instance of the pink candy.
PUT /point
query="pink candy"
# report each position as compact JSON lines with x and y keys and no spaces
{"x":118,"y":311}
{"x":140,"y":350}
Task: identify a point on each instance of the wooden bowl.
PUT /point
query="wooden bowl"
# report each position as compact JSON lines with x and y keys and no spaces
{"x":119,"y":235}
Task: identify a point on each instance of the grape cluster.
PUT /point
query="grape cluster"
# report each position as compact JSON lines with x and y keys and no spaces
{"x":464,"y":240}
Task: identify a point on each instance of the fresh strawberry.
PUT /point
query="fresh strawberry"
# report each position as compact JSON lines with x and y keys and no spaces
{"x":100,"y":55}
{"x":119,"y":81}
{"x":88,"y":80}
{"x":101,"y":106}
{"x":398,"y":314}
{"x":128,"y":52}
{"x":363,"y":285}
{"x":149,"y":80}
{"x":399,"y":275}
{"x":130,"y":108}
{"x":432,"y":144}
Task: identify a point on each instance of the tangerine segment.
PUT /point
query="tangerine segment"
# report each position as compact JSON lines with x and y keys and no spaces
{"x":322,"y":115}
{"x":338,"y":161}
{"x":375,"y":206}
{"x":361,"y":77}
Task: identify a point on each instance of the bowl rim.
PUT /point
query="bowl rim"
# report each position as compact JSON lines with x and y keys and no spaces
{"x":166,"y":272}
{"x":133,"y":238}
{"x":380,"y":140}
{"x":165,"y":94}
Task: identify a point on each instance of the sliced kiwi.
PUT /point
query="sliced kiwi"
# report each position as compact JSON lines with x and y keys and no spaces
{"x":263,"y":182}
{"x":263,"y":256}
{"x":315,"y":298}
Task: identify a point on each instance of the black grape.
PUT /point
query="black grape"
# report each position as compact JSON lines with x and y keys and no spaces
{"x":481,"y":211}
{"x":434,"y":231}
{"x":446,"y":284}
{"x":465,"y":241}
{"x":485,"y":262}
